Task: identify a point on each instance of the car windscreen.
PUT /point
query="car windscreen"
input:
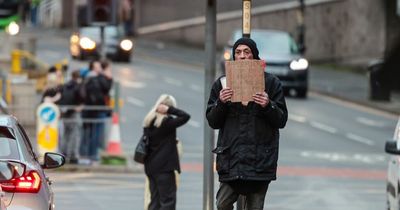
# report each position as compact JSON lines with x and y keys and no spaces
{"x":273,"y":42}
{"x":91,"y":32}
{"x":94,"y":32}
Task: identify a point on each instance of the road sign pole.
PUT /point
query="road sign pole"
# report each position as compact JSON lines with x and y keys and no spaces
{"x":301,"y":26}
{"x":116,"y":97}
{"x":102,"y":42}
{"x":210,"y":47}
{"x":246,"y":23}
{"x":246,"y":30}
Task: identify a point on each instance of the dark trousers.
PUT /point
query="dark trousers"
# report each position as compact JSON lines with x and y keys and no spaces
{"x":226,"y":197}
{"x":163,"y":191}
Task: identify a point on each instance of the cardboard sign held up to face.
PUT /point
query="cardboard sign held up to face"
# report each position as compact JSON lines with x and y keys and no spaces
{"x":245,"y":78}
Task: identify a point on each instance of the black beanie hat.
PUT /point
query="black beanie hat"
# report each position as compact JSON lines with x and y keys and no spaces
{"x":248,"y":42}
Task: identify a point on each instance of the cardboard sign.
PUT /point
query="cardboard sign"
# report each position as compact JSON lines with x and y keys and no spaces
{"x":245,"y":78}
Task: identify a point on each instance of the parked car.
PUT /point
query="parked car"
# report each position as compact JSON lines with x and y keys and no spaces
{"x":33,"y":189}
{"x":393,"y":176}
{"x":282,"y":56}
{"x":9,"y":170}
{"x":86,"y":43}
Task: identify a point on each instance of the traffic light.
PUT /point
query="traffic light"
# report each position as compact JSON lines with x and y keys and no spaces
{"x":102,"y":12}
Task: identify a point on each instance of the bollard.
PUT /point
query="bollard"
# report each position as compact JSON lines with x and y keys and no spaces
{"x":8,"y":92}
{"x":16,"y":62}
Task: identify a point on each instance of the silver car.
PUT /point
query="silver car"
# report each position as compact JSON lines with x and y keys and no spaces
{"x":33,"y":189}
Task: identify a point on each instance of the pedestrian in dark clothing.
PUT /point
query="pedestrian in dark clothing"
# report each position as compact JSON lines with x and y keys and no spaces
{"x":108,"y":80}
{"x":73,"y":101}
{"x":127,"y":16}
{"x":160,"y":124}
{"x":248,"y":138}
{"x":96,"y":87}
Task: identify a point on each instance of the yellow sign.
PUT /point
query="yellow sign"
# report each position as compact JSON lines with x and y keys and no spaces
{"x":46,"y":138}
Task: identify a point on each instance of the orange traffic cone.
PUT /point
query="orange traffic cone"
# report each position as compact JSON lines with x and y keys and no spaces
{"x":114,"y":143}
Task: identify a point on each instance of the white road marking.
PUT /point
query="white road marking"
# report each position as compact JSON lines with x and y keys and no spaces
{"x":297,"y":118}
{"x":370,"y":122}
{"x":130,"y":84}
{"x":196,"y":88}
{"x":135,"y":101}
{"x":360,"y":139}
{"x":194,"y":124}
{"x":323,"y":127}
{"x":173,"y":81}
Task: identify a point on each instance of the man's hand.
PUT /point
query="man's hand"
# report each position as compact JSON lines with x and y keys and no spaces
{"x":162,"y":109}
{"x":261,"y":98}
{"x":225,"y":95}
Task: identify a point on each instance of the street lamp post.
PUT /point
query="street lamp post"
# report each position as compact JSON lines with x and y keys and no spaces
{"x":301,"y":26}
{"x":246,"y":18}
{"x":246,"y":29}
{"x":210,"y":48}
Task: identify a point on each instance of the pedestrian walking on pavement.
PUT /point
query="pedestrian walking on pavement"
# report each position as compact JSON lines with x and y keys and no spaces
{"x":161,"y":124}
{"x":127,"y":16}
{"x":71,"y":97}
{"x":248,"y":138}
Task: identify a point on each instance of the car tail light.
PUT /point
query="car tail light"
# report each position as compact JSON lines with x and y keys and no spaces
{"x":29,"y":183}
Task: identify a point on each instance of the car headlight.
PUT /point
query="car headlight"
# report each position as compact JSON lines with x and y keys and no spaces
{"x":74,"y":39}
{"x":126,"y":44}
{"x":227,"y":55}
{"x":12,"y":28}
{"x":301,"y":64}
{"x":87,"y":43}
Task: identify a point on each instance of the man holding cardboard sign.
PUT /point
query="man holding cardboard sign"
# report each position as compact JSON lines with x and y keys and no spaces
{"x":248,"y":107}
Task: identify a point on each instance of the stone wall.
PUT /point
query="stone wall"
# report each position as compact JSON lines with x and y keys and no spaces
{"x":352,"y":31}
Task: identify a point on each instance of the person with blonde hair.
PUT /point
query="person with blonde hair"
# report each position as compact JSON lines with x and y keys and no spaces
{"x":160,"y":125}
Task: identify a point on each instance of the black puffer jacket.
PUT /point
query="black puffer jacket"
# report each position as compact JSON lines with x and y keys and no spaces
{"x":248,"y":139}
{"x":163,"y":154}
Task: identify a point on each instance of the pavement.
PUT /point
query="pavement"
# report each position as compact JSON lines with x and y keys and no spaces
{"x":341,"y":85}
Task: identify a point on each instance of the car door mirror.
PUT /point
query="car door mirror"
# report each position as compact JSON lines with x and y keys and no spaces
{"x":391,"y":147}
{"x":53,"y":160}
{"x":11,"y":170}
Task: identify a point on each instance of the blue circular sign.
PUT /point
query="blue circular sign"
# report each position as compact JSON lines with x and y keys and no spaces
{"x":48,"y":114}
